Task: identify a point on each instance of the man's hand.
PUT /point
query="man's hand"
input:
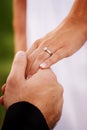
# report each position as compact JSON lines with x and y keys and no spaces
{"x":42,"y":90}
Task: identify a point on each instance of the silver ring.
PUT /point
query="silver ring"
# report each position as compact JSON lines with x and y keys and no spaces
{"x":48,"y":51}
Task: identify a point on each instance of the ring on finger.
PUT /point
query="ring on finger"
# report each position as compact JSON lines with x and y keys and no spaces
{"x":47,"y":51}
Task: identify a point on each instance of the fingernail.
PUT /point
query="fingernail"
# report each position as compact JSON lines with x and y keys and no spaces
{"x":43,"y":65}
{"x":20,"y":53}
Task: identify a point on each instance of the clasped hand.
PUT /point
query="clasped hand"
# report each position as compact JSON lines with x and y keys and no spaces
{"x":41,"y":89}
{"x":62,"y":42}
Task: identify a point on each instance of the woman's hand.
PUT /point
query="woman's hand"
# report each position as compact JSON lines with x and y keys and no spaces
{"x":62,"y":42}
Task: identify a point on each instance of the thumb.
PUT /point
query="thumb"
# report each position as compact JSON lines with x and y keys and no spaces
{"x":19,"y":65}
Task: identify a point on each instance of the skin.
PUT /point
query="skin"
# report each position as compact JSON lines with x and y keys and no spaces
{"x":19,"y":24}
{"x":63,"y":41}
{"x":47,"y":96}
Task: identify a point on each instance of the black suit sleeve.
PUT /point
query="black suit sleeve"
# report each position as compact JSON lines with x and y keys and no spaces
{"x":24,"y":116}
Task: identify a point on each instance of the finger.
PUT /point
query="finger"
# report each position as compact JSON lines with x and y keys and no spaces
{"x":58,"y":55}
{"x":19,"y":65}
{"x":39,"y":59}
{"x":2,"y":100}
{"x":3,"y":88}
{"x":31,"y":59}
{"x":33,"y":52}
{"x":33,"y":47}
{"x":36,"y":58}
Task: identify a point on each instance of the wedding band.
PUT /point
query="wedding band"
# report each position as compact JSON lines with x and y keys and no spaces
{"x":48,"y":51}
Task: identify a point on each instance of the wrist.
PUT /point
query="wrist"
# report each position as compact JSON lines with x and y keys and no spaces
{"x":78,"y":14}
{"x":79,"y":23}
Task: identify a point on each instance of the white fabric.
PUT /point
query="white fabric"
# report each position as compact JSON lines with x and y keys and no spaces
{"x":42,"y":17}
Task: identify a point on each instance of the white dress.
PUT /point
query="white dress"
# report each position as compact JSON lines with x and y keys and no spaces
{"x":42,"y":17}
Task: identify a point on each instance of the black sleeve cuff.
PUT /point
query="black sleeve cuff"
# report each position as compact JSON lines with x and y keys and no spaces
{"x":24,"y":116}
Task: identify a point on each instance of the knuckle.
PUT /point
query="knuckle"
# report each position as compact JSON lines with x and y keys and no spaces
{"x":68,"y":52}
{"x":60,"y":56}
{"x":37,"y":42}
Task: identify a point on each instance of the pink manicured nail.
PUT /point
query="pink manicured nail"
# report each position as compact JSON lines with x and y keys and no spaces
{"x":43,"y":65}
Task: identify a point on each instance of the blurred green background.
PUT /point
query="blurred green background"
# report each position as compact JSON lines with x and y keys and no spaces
{"x":6,"y":44}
